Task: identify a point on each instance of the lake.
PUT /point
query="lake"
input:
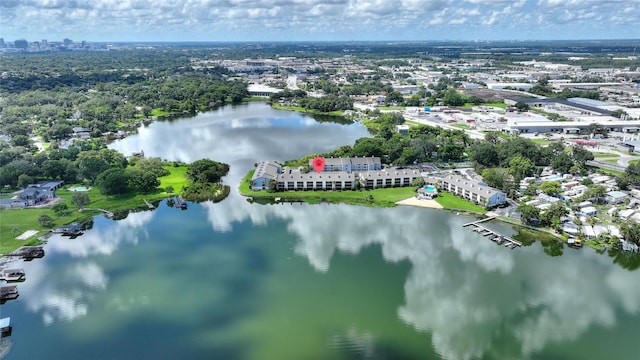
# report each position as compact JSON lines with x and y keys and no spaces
{"x":235,"y":280}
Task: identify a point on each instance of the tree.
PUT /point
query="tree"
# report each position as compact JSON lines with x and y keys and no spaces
{"x":485,"y":154}
{"x":581,"y":155}
{"x":91,"y":166}
{"x":60,"y":209}
{"x":206,"y":171}
{"x":529,"y":213}
{"x":112,"y":181}
{"x":630,"y":231}
{"x":520,"y":167}
{"x":141,"y":181}
{"x":452,"y":98}
{"x":418,"y":182}
{"x":272,"y":186}
{"x":550,"y":187}
{"x":522,"y":107}
{"x":562,"y":163}
{"x":596,"y":192}
{"x":80,"y":199}
{"x":169,"y":189}
{"x":24,"y":180}
{"x":494,"y":178}
{"x":45,"y":220}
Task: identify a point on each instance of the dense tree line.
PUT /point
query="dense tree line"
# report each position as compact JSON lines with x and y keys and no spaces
{"x":50,"y":94}
{"x":205,"y":178}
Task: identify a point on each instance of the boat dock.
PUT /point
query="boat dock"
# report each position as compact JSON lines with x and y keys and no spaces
{"x":492,"y":234}
{"x":149,"y":205}
{"x":9,"y":292}
{"x":107,"y":213}
{"x":180,"y":203}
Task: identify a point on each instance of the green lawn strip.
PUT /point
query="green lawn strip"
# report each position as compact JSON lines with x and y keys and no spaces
{"x":450,"y":201}
{"x":177,"y":178}
{"x":255,"y":98}
{"x":412,"y":123}
{"x":462,"y":126}
{"x":541,"y":142}
{"x":27,"y":219}
{"x":605,"y":156}
{"x":307,"y":111}
{"x":391,"y":107}
{"x":375,"y":197}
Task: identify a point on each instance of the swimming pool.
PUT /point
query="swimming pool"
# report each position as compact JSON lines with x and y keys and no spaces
{"x":79,"y":188}
{"x":430,"y":188}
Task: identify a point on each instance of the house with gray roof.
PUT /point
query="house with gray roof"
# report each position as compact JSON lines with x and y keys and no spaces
{"x":265,"y":171}
{"x":33,"y":195}
{"x":291,"y":179}
{"x":473,"y":190}
{"x":350,"y":164}
{"x":388,"y":178}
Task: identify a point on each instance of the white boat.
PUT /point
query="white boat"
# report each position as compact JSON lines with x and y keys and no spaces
{"x":12,"y":274}
{"x":5,"y":326}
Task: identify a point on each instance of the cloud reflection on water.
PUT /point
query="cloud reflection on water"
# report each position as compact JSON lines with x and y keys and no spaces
{"x":65,"y":296}
{"x":462,"y":288}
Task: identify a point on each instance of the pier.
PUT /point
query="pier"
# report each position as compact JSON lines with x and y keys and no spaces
{"x":107,"y":213}
{"x":180,"y":203}
{"x":492,"y":234}
{"x":149,"y":205}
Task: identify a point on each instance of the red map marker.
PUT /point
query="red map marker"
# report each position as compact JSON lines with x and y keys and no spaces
{"x":318,"y":164}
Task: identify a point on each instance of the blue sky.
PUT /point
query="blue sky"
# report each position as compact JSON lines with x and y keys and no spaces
{"x":291,"y":20}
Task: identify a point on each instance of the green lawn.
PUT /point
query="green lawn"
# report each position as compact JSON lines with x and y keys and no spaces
{"x":541,"y":142}
{"x":412,"y":123}
{"x":27,"y":219}
{"x":391,"y":107}
{"x":450,"y":201}
{"x":376,"y":197}
{"x":462,"y":126}
{"x":176,"y":178}
{"x":307,"y":111}
{"x":605,"y":156}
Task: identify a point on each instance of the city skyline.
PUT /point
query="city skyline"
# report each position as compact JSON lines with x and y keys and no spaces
{"x":315,"y":20}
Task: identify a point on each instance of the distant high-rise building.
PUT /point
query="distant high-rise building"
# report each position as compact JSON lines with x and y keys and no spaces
{"x":84,"y":43}
{"x":2,"y":44}
{"x":67,"y":42}
{"x":21,"y":44}
{"x":44,"y":43}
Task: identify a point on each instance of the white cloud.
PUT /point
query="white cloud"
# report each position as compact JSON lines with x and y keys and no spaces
{"x":310,"y":19}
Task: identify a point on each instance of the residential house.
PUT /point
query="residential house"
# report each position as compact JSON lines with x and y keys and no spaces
{"x":350,"y":164}
{"x":291,"y":179}
{"x":33,"y":195}
{"x":266,"y":170}
{"x":616,"y":197}
{"x":388,"y":178}
{"x":473,"y":190}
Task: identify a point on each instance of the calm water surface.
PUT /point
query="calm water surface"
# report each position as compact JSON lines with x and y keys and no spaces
{"x":235,"y":280}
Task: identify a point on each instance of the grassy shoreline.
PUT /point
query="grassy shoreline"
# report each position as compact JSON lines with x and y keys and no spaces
{"x":17,"y":221}
{"x":376,"y":197}
{"x":300,"y":109}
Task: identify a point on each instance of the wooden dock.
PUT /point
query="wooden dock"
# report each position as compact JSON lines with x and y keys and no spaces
{"x":479,"y":221}
{"x":107,"y":213}
{"x":495,"y":236}
{"x":180,"y":203}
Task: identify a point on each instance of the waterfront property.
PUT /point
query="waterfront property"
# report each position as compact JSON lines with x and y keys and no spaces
{"x":388,"y":178}
{"x":473,"y":190}
{"x":332,"y":180}
{"x":427,"y":192}
{"x":351,"y":164}
{"x":266,"y":170}
{"x":342,"y":174}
